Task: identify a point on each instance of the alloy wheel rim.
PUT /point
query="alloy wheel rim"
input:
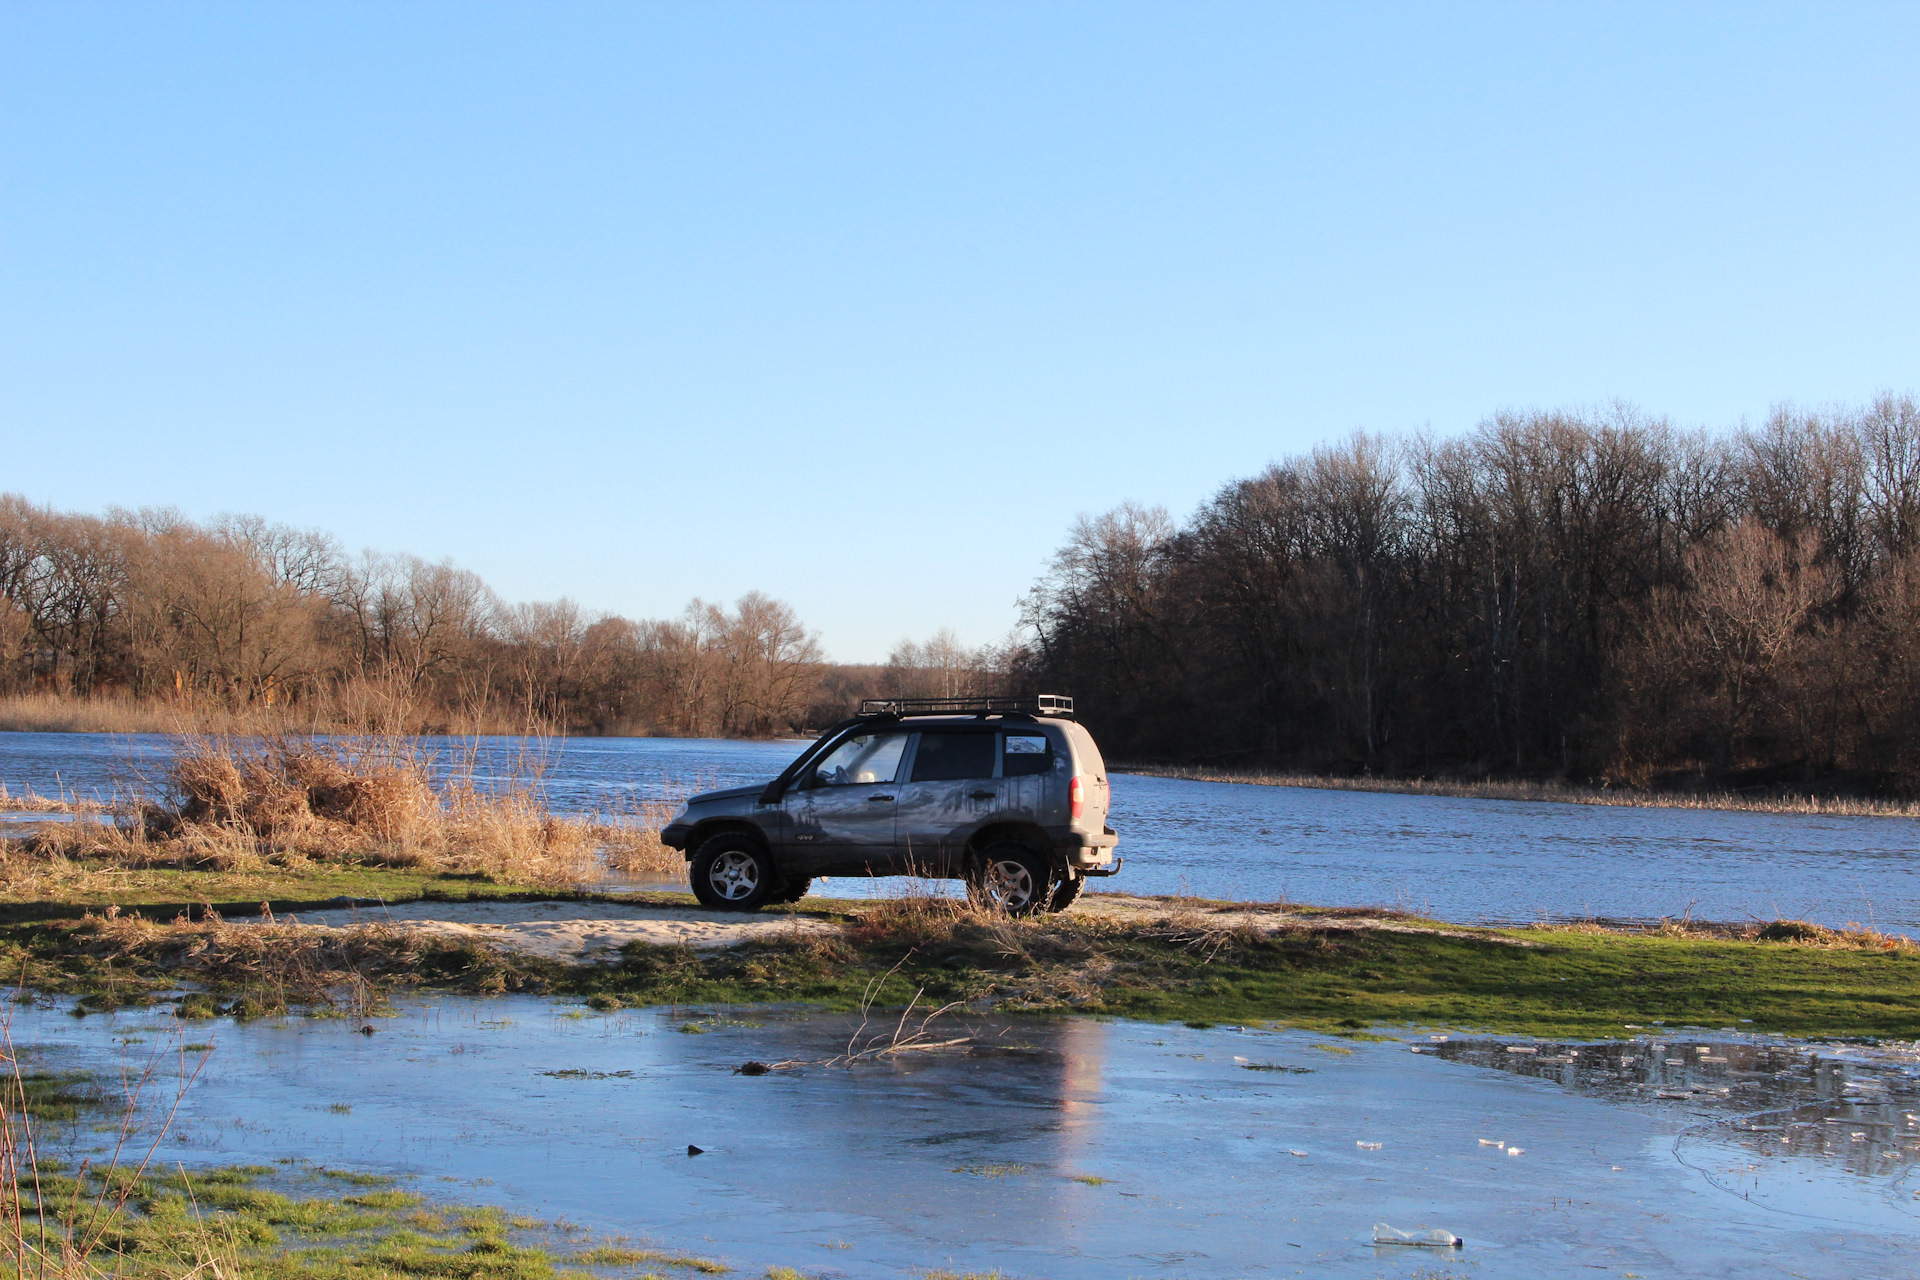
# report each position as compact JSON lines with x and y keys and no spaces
{"x":734,"y":875}
{"x":1009,"y":884}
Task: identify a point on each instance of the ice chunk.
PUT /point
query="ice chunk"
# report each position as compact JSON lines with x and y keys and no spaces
{"x":1427,"y":1237}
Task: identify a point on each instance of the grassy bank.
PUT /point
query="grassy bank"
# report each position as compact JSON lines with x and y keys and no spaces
{"x":1550,"y":792}
{"x":1172,"y":960}
{"x":1321,"y":973}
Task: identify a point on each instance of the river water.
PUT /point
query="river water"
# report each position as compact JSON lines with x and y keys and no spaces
{"x":1069,"y":1148}
{"x":1473,"y":861}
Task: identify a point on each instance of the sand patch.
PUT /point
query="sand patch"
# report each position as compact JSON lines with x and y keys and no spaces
{"x":1264,"y":918}
{"x":570,"y":932}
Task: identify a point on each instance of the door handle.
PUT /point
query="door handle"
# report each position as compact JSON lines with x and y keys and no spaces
{"x":984,"y":795}
{"x":877,"y":799}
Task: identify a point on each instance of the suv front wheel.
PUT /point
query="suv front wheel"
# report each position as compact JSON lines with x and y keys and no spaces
{"x":732,"y":872}
{"x":1011,"y":878}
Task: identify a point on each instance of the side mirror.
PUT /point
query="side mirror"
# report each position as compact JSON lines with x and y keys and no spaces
{"x":771,"y":793}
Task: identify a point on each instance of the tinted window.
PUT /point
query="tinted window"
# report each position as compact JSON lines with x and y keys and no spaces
{"x":1027,"y":753}
{"x":944,"y":757}
{"x":866,"y":757}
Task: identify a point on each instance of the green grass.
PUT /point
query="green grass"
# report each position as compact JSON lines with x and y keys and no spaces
{"x":294,"y":1229}
{"x":1569,"y":984}
{"x":160,"y":893}
{"x":50,"y":1095}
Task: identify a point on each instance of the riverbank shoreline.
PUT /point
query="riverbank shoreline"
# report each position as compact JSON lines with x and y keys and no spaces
{"x":1537,"y":792}
{"x":1335,"y":970}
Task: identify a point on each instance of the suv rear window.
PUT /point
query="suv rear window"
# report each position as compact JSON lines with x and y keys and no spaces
{"x":949,"y":757}
{"x":1027,"y":754}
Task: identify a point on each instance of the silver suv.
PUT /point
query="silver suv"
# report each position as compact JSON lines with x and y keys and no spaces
{"x":1009,"y":794}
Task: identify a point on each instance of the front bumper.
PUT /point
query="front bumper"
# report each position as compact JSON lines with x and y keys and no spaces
{"x":674,"y":834}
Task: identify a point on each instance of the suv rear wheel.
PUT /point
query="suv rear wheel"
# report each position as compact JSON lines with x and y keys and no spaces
{"x":1011,"y":878}
{"x":1065,"y":892}
{"x":792,"y":891}
{"x":731,"y":872}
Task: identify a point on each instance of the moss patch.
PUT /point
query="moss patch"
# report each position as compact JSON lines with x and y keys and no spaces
{"x":291,"y":1224}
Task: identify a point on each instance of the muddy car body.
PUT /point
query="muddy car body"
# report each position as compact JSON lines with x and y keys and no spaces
{"x":1010,"y":795}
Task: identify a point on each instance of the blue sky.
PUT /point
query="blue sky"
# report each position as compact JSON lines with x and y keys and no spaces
{"x":860,"y":304}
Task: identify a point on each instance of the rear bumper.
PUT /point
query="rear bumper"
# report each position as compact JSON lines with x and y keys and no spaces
{"x":1085,"y":851}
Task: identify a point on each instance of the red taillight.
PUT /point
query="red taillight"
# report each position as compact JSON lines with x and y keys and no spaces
{"x":1076,"y":796}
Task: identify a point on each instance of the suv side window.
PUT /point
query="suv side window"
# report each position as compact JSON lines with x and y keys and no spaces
{"x":865,"y":757}
{"x":951,"y":757}
{"x":1027,"y":754}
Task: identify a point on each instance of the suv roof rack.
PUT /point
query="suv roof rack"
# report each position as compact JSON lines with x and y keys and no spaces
{"x":1043,"y":704}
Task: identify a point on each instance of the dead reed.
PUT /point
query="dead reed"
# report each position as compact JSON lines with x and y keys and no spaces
{"x":629,"y":833}
{"x":1544,"y":792}
{"x":70,"y":1226}
{"x":31,"y":801}
{"x":242,"y":804}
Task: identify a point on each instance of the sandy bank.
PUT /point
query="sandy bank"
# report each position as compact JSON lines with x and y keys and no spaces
{"x":594,"y":932}
{"x":570,"y":932}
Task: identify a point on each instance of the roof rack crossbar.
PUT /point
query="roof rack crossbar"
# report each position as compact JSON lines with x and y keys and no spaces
{"x":1044,"y":704}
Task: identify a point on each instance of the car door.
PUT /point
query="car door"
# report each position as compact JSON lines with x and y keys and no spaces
{"x":951,"y":789}
{"x":840,"y":816}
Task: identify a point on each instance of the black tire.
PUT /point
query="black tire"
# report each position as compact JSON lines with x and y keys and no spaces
{"x":1065,"y":892}
{"x":732,"y":872}
{"x":1011,"y":878}
{"x":792,"y":891}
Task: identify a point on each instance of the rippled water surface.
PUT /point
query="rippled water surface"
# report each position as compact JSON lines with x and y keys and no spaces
{"x":1467,"y":860}
{"x":1072,"y":1147}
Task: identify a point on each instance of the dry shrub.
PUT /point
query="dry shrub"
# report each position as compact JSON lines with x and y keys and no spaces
{"x":286,"y":789}
{"x":245,"y":804}
{"x":629,"y":835}
{"x":1851,"y":937}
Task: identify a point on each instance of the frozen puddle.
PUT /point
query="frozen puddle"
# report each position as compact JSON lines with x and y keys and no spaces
{"x":1223,"y":1153}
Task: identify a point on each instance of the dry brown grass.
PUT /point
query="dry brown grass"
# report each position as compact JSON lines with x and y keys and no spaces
{"x":243,"y":804}
{"x":362,"y":705}
{"x":629,"y":835}
{"x":1039,"y":961}
{"x":1852,"y":936}
{"x":1546,"y":792}
{"x":277,"y":964}
{"x":31,"y":801}
{"x":66,"y":713}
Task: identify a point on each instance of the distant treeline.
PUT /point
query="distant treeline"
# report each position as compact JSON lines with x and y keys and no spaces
{"x":1599,"y":598}
{"x":1592,"y":597}
{"x":239,"y":615}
